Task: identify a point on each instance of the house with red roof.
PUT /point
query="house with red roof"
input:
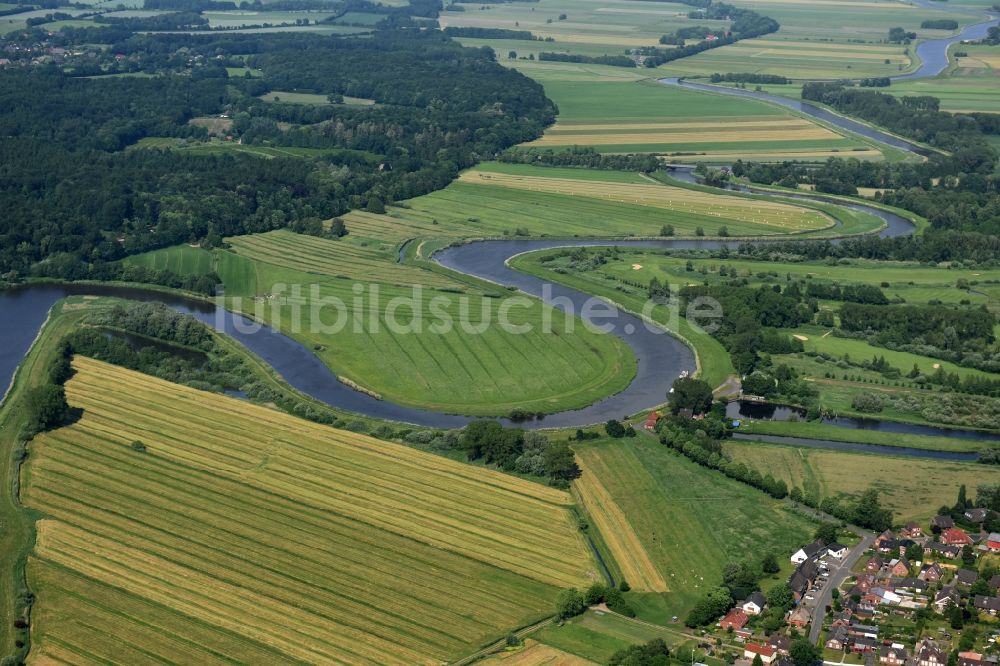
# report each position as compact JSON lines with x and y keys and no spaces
{"x":735,"y":619}
{"x":956,"y":536}
{"x":651,"y":420}
{"x":765,"y":652}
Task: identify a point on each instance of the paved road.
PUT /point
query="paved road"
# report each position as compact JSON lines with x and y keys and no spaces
{"x":837,"y":576}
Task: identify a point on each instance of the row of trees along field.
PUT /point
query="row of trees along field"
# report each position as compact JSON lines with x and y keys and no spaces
{"x":441,"y":107}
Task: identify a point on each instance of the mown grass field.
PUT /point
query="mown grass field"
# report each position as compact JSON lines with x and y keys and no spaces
{"x":180,"y":259}
{"x":689,"y":520}
{"x":508,"y":200}
{"x":441,"y":350}
{"x":244,"y":534}
{"x":714,"y":364}
{"x":335,"y":258}
{"x":595,"y":637}
{"x":820,"y":430}
{"x":913,"y":488}
{"x":287,"y":97}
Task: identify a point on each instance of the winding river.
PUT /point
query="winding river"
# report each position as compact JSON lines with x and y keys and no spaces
{"x":661,"y":357}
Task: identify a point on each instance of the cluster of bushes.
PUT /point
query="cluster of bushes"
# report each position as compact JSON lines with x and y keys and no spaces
{"x":614,"y":428}
{"x":490,"y":33}
{"x":939,"y":24}
{"x":876,"y":82}
{"x":739,"y":580}
{"x":747,"y":77}
{"x":513,"y":449}
{"x":578,"y":156}
{"x":953,"y":329}
{"x":613,"y":60}
{"x":571,"y":602}
{"x":852,"y":293}
{"x":652,"y":653}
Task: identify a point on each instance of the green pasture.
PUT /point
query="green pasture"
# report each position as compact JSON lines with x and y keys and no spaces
{"x":691,"y":520}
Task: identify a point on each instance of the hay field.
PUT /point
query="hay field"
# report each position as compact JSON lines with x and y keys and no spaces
{"x":621,"y":539}
{"x":830,"y":472}
{"x":325,"y":256}
{"x":244,"y":534}
{"x":741,"y":213}
{"x":690,"y":520}
{"x":537,"y":654}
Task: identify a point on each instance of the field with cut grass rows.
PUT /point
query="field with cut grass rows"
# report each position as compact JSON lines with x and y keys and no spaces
{"x":244,"y":534}
{"x":341,"y":258}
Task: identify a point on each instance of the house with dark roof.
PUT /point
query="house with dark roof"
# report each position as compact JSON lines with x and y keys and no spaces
{"x":863,"y":644}
{"x":929,"y":654}
{"x":874,"y":563}
{"x":976,"y":515}
{"x":912,"y":531}
{"x":989,"y":604}
{"x":945,"y":598}
{"x":810,"y":551}
{"x":754,"y":604}
{"x":994,"y":582}
{"x":942,"y":550}
{"x":781,"y":644}
{"x":893,"y":655}
{"x":899,"y":568}
{"x":837,"y":550}
{"x":941,"y":523}
{"x":966,"y":577}
{"x":932,"y":573}
{"x":837,"y":639}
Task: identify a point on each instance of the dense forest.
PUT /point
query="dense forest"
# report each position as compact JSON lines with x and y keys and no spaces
{"x":440,"y":108}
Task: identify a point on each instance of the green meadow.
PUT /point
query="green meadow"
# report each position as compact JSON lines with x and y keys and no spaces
{"x":690,"y":521}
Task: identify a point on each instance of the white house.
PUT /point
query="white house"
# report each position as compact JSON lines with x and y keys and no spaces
{"x":808,"y":552}
{"x":837,"y":550}
{"x":754,"y":604}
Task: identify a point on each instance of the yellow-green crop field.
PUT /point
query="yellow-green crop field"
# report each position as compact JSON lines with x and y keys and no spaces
{"x":246,"y":535}
{"x":913,"y":488}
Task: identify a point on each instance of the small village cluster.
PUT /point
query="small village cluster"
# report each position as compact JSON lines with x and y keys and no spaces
{"x":885,"y":605}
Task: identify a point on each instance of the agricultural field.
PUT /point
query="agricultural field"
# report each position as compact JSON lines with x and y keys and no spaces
{"x":619,"y":110}
{"x":595,"y":636}
{"x":825,"y":473}
{"x":971,"y":83}
{"x":689,"y":521}
{"x":501,"y":199}
{"x":227,"y":541}
{"x":536,"y":654}
{"x":597,"y":27}
{"x":307,"y":98}
{"x":441,"y":350}
{"x":335,"y":258}
{"x":180,"y":259}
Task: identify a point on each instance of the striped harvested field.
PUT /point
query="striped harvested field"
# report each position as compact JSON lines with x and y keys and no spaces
{"x":778,"y":215}
{"x":685,"y":137}
{"x":246,"y":535}
{"x":625,"y":545}
{"x":333,"y":257}
{"x":393,"y":227}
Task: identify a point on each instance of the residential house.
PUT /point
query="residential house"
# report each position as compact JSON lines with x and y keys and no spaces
{"x":889,"y":547}
{"x":893,"y":655}
{"x":837,"y":550}
{"x":994,"y":582}
{"x":966,"y":577}
{"x":864,"y":645}
{"x":837,"y":639}
{"x":970,"y":659}
{"x":885,"y":536}
{"x":899,"y":568}
{"x":941,"y":523}
{"x":912,"y":531}
{"x":976,"y":515}
{"x":931,"y":573}
{"x":866,"y":630}
{"x":874,"y":563}
{"x":799,"y":617}
{"x":993,"y":542}
{"x":914,"y":585}
{"x":865,"y":582}
{"x":765,"y":652}
{"x":945,"y":598}
{"x":956,"y":536}
{"x":808,"y":552}
{"x":929,"y":654}
{"x":841,"y":619}
{"x":781,"y":644}
{"x":802,"y":578}
{"x":989,"y":604}
{"x":754,"y":604}
{"x":942,"y":550}
{"x":651,"y":420}
{"x":735,"y":619}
